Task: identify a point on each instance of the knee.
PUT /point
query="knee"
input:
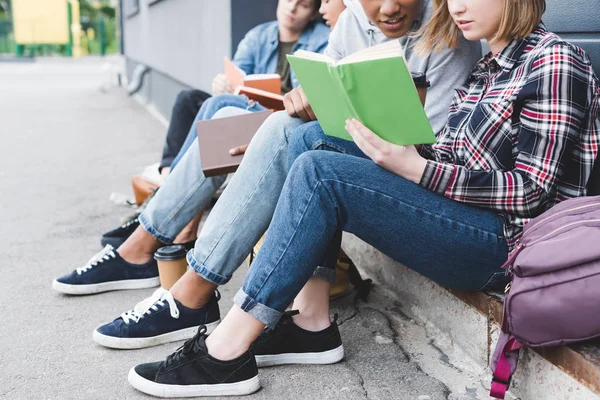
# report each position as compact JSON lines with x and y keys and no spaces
{"x":312,"y":163}
{"x":229,"y":111}
{"x":304,"y":138}
{"x":223,"y":100}
{"x":275,"y":128}
{"x":184,"y":98}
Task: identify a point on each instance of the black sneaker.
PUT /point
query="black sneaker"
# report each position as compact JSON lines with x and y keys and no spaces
{"x":118,"y":236}
{"x":156,"y":320}
{"x":191,"y":372}
{"x":107,"y":271}
{"x":290,"y":344}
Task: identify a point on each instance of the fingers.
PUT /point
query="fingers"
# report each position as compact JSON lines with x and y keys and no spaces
{"x":220,"y":84}
{"x":306,"y":105}
{"x":299,"y":108}
{"x":296,"y":105}
{"x":352,"y":126}
{"x":238,"y":150}
{"x":371,"y":137}
{"x":289,"y":105}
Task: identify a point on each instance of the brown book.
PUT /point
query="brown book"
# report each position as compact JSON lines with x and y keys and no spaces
{"x":217,"y":136}
{"x":237,"y":78}
{"x":266,"y":99}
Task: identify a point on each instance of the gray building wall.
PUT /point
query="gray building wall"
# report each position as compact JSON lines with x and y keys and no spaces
{"x":183,"y":41}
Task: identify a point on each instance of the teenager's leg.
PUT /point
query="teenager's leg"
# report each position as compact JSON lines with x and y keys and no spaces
{"x":181,"y":197}
{"x":455,"y":245}
{"x":246,"y":206}
{"x":310,"y":136}
{"x":208,"y":110}
{"x":184,"y":111}
{"x":313,"y":305}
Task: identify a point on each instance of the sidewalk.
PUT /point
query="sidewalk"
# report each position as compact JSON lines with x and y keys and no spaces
{"x":69,"y":139}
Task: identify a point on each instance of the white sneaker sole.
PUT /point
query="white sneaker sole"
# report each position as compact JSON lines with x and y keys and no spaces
{"x":140,"y":343}
{"x":223,"y":389}
{"x":325,"y":357}
{"x":105,"y":286}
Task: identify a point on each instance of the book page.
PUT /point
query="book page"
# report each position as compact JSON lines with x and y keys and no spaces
{"x":309,"y":55}
{"x":258,"y":77}
{"x":234,"y":74}
{"x":393,"y":48}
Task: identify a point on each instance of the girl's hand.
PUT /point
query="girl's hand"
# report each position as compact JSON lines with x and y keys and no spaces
{"x":404,"y":161}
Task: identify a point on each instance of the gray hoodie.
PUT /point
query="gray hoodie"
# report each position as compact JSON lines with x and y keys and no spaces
{"x":446,"y":69}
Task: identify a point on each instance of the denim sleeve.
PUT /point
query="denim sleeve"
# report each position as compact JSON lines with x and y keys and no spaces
{"x":247,"y":49}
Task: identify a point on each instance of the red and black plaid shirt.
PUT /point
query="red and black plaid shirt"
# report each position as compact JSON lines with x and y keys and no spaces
{"x":522,"y":133}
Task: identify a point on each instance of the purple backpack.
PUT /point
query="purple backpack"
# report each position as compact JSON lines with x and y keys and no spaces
{"x":554,"y":296}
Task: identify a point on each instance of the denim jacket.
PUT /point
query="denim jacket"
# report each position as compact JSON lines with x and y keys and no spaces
{"x":257,"y":52}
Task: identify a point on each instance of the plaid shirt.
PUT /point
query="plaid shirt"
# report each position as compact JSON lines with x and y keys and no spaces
{"x":522,"y":133}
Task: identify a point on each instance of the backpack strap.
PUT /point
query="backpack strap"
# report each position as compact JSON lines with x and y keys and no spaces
{"x":504,"y":364}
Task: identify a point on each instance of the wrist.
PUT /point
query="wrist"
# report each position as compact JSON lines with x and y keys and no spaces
{"x":415,"y":169}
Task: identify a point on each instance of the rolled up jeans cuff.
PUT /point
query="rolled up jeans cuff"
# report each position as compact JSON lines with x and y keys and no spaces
{"x":153,"y":231}
{"x":262,"y":313}
{"x":204,"y":271}
{"x":325,"y":273}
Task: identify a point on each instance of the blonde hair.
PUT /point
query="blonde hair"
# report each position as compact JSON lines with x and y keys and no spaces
{"x":519,"y":19}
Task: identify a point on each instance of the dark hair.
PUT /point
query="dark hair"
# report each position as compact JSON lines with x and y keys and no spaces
{"x":317,"y":5}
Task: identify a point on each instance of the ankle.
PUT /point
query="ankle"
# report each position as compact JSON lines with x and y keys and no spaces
{"x":312,"y":322}
{"x":185,"y":237}
{"x":134,"y":256}
{"x":139,"y":248}
{"x":192,"y":290}
{"x":224,"y":350}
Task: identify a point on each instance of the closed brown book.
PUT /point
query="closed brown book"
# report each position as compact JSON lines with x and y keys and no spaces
{"x":217,"y":136}
{"x":266,"y":99}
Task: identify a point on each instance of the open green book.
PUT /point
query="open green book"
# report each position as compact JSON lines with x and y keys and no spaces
{"x":373,"y":85}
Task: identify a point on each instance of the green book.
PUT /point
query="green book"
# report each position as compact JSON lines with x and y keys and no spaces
{"x":373,"y":85}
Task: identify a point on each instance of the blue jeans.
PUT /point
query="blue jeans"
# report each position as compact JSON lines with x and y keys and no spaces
{"x":455,"y":245}
{"x":243,"y":211}
{"x":208,"y":110}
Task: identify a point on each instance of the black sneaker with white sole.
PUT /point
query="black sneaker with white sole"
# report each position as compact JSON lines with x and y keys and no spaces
{"x":118,"y":236}
{"x":290,"y":344}
{"x":192,"y":372}
{"x":107,"y":271}
{"x":156,"y":320}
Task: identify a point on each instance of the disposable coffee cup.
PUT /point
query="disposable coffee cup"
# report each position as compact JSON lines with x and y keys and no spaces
{"x":172,"y":264}
{"x":421,"y":83}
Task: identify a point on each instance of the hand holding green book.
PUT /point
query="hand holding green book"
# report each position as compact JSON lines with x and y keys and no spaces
{"x":373,"y":85}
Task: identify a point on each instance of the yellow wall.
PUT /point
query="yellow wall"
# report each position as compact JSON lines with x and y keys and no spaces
{"x":41,"y":21}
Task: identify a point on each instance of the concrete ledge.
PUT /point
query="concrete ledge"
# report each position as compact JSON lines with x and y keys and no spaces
{"x":471,"y":322}
{"x":581,"y":361}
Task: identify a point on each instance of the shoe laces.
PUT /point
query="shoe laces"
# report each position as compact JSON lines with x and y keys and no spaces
{"x":103,"y":255}
{"x":190,"y":346}
{"x":152,"y":303}
{"x":129,"y":223}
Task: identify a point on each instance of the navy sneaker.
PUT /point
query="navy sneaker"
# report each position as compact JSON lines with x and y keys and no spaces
{"x":116,"y":237}
{"x":107,"y":271}
{"x":192,"y":372}
{"x":290,"y":344}
{"x":158,"y":319}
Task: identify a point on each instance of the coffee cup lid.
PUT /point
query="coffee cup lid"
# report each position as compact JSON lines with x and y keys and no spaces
{"x":170,"y":253}
{"x":420,"y":79}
